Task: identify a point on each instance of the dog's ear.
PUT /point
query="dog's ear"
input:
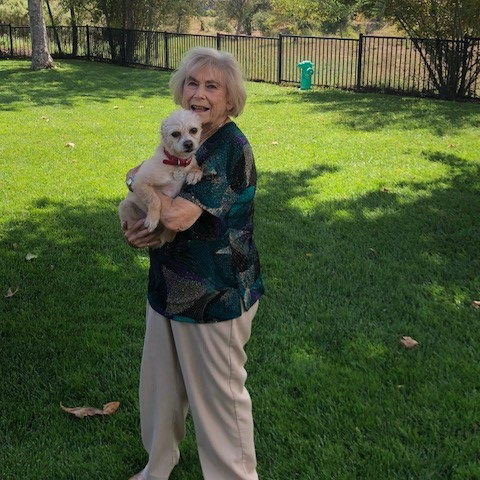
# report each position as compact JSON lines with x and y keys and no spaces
{"x":162,"y":129}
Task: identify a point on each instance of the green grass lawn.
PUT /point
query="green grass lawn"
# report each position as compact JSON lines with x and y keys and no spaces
{"x":368,"y":226}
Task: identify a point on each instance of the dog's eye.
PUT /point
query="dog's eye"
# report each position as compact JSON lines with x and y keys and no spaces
{"x":175,"y":134}
{"x":193,"y":131}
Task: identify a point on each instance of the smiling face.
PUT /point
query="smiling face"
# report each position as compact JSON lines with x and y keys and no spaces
{"x":205,"y":93}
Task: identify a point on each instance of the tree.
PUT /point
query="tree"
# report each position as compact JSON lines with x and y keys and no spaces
{"x":241,"y":12}
{"x":441,"y":31}
{"x":181,"y":12}
{"x":449,"y":19}
{"x":76,"y":8}
{"x":144,"y":15}
{"x":14,"y":12}
{"x":307,"y":15}
{"x":52,"y":22}
{"x":40,"y":55}
{"x":124,"y":17}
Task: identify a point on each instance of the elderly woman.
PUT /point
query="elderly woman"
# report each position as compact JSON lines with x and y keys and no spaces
{"x":203,"y":288}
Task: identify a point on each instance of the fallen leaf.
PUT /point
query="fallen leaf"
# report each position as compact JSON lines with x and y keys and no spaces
{"x":30,"y":256}
{"x":110,"y":408}
{"x":70,"y":145}
{"x":476,"y":304}
{"x":81,"y":412}
{"x":408,"y":342}
{"x":10,"y":293}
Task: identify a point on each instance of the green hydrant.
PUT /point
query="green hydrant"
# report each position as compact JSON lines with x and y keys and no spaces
{"x":306,"y":75}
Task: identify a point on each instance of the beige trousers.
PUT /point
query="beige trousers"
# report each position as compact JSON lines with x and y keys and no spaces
{"x":201,"y":366}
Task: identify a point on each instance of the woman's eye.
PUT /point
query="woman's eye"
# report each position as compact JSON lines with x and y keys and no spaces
{"x":175,"y":134}
{"x":193,"y":131}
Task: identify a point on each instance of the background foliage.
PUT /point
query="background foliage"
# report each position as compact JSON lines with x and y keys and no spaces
{"x":437,"y":18}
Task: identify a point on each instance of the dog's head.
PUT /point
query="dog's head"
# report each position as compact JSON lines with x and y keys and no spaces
{"x":181,"y":133}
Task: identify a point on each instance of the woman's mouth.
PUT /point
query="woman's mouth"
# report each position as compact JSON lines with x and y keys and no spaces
{"x":199,"y":108}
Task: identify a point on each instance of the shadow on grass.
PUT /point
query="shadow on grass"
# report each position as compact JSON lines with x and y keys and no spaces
{"x":344,"y":282}
{"x":372,"y":112}
{"x":374,"y":231}
{"x":72,"y":334}
{"x":73,"y":79}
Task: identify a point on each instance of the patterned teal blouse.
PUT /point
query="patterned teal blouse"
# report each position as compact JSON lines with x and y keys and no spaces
{"x":210,"y":268}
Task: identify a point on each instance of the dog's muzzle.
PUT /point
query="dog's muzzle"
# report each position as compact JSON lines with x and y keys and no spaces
{"x":188,"y":145}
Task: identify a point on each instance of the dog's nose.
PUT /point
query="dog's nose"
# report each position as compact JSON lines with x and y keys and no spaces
{"x":188,"y":145}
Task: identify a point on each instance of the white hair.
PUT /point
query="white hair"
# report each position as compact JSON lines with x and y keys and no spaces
{"x":223,"y":62}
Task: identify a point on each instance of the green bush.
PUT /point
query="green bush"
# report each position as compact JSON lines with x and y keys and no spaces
{"x":265,"y":23}
{"x":222,"y":24}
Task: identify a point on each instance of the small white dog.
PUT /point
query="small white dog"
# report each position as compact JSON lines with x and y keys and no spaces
{"x":172,"y":165}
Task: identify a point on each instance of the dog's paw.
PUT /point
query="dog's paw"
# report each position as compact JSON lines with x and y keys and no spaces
{"x":194,"y":176}
{"x":151,"y":223}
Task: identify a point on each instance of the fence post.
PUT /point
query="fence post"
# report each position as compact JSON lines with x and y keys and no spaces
{"x":359,"y":62}
{"x":165,"y":36}
{"x":88,"y":43}
{"x":219,"y":41}
{"x":279,"y":58}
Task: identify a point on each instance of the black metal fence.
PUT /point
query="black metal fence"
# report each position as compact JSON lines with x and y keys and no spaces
{"x":369,"y":63}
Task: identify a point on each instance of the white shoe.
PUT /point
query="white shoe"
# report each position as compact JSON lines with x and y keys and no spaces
{"x":138,"y":476}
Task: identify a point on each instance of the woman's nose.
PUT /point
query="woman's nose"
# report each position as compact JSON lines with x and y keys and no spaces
{"x":200,"y":91}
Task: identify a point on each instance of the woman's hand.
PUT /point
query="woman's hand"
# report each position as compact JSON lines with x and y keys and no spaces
{"x":139,"y":237}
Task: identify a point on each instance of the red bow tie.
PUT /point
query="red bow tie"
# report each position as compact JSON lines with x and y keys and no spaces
{"x":171,"y":160}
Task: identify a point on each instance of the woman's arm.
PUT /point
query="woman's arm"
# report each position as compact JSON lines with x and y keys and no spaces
{"x":177,"y":214}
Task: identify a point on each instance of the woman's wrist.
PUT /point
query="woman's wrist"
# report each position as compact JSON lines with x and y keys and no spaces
{"x":129,"y":181}
{"x":130,"y":177}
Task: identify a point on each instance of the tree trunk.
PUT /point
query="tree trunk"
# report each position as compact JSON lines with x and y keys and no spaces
{"x":73,"y":22}
{"x":40,"y":56}
{"x":148,"y":47}
{"x":247,"y":25}
{"x":52,"y":21}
